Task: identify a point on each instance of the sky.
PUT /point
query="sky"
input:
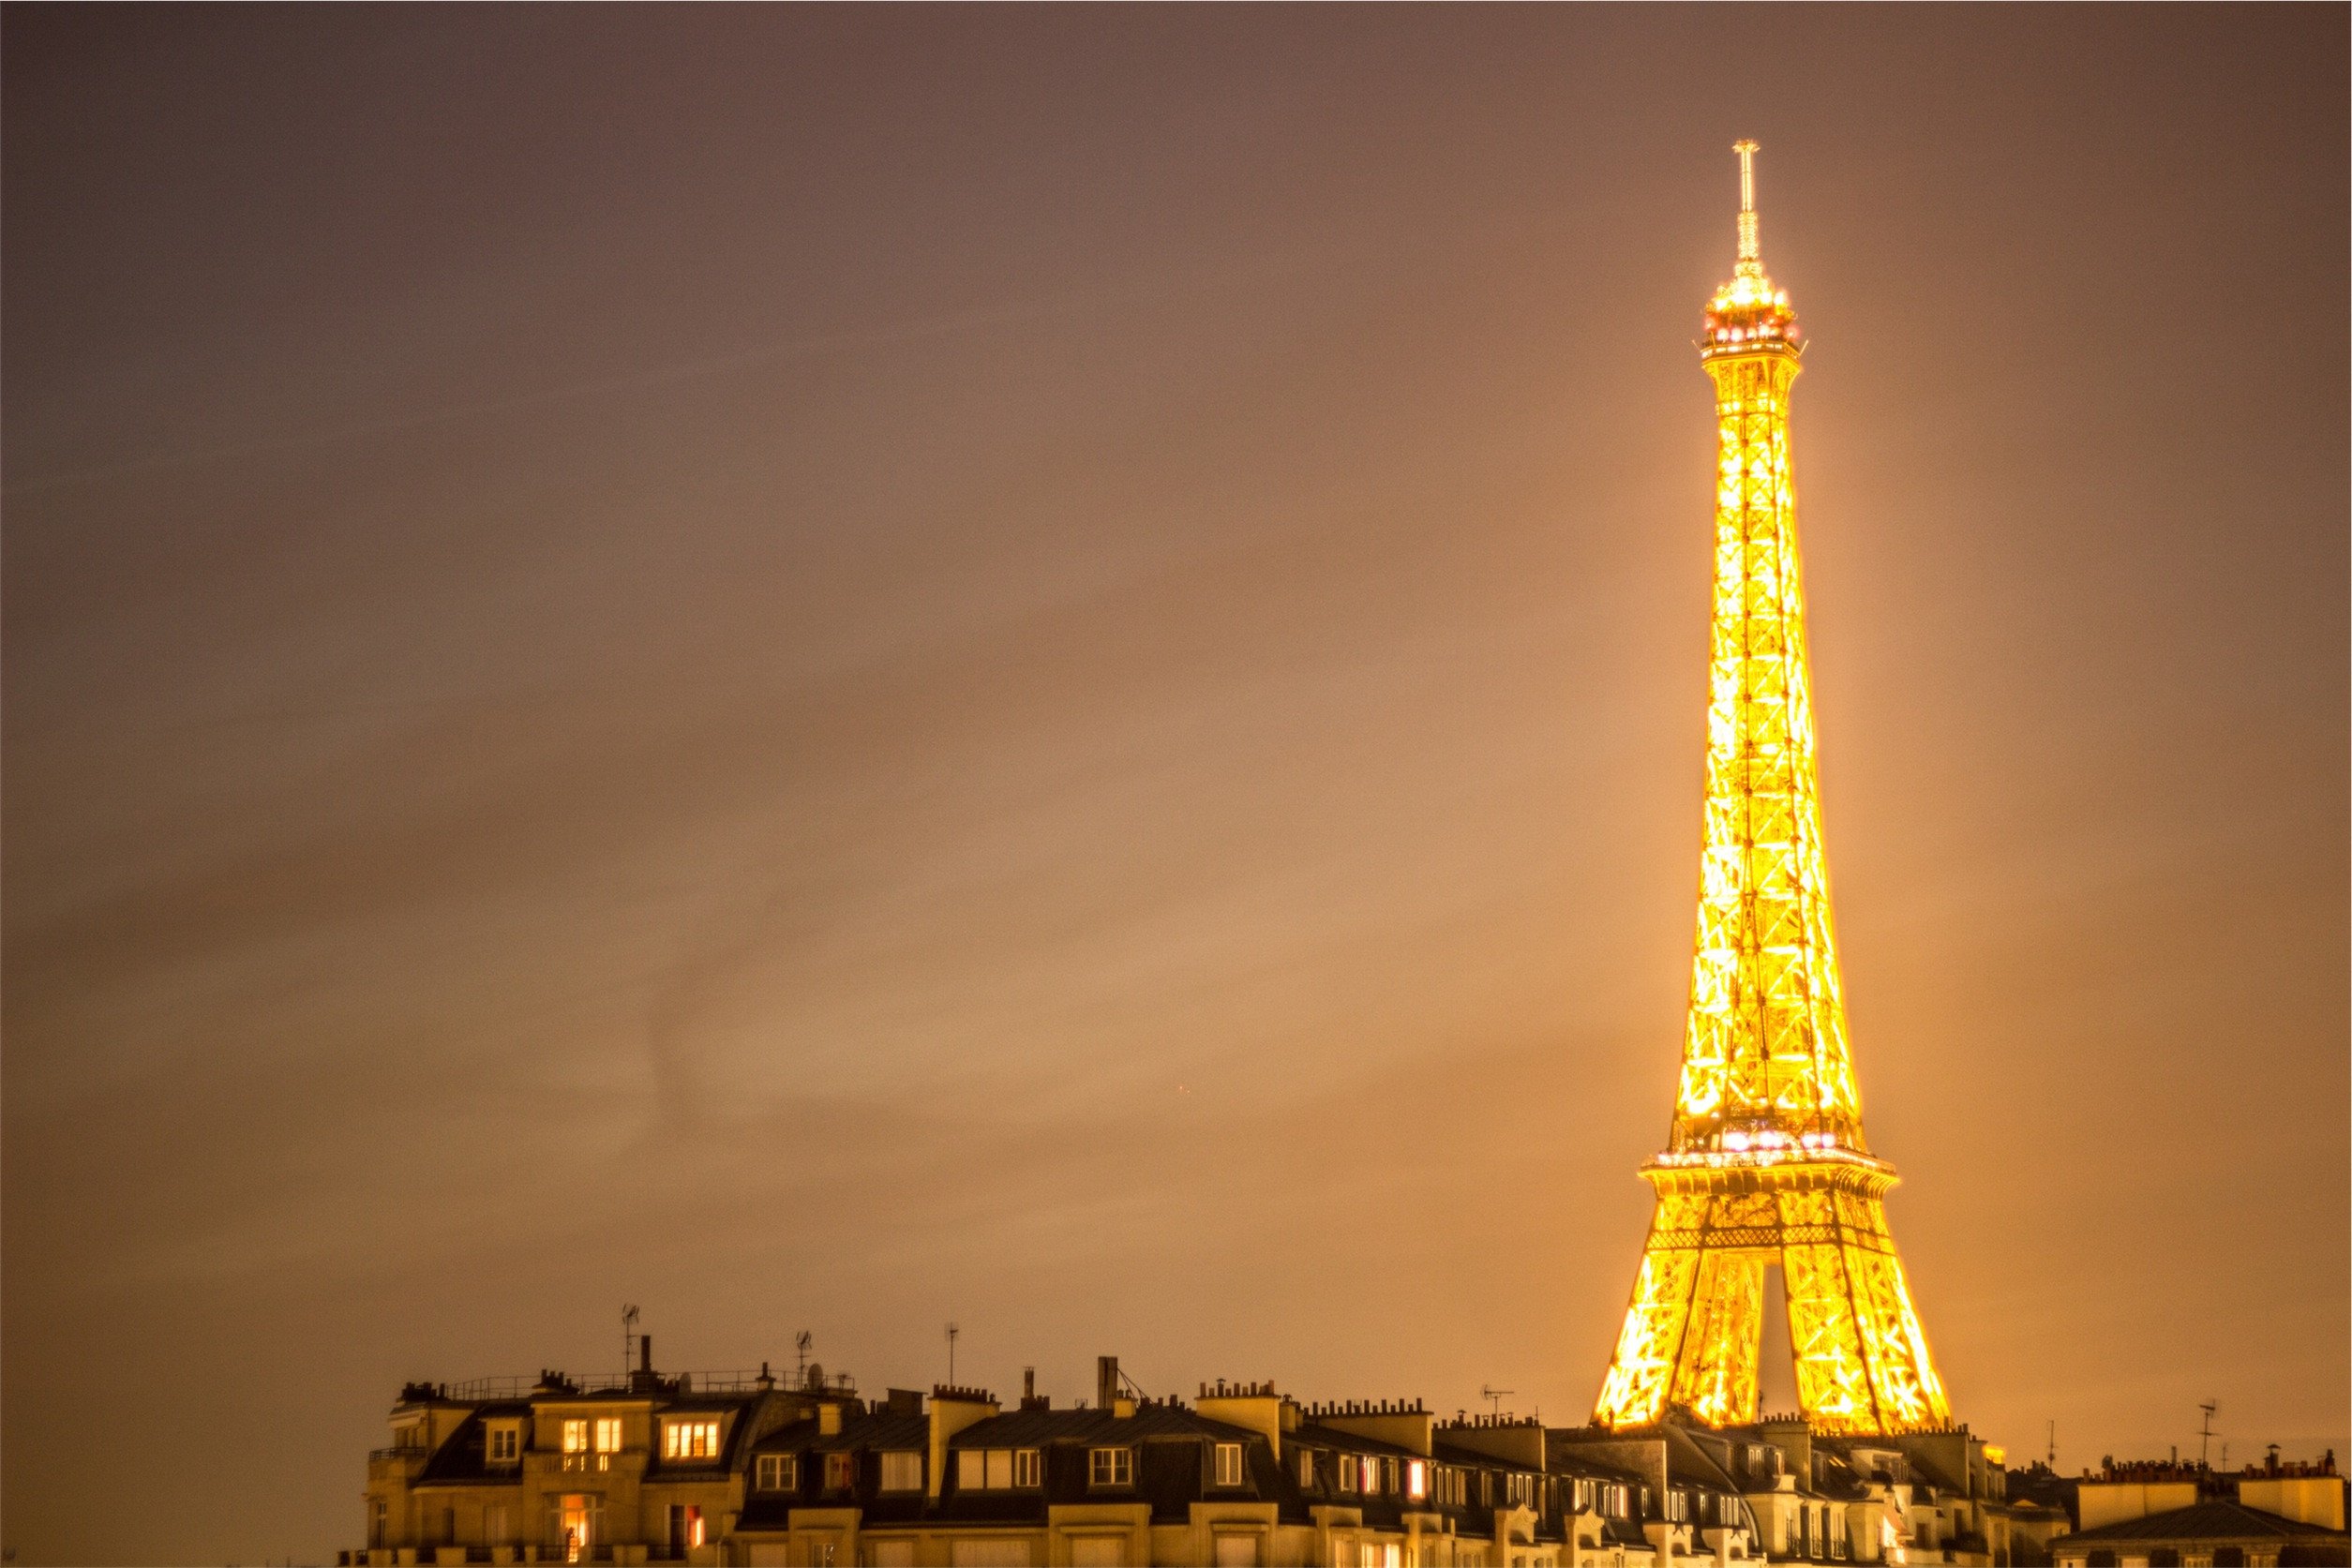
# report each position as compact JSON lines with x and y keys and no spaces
{"x":848,"y":669}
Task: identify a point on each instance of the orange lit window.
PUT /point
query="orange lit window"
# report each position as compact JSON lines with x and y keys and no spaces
{"x":689,"y":1439}
{"x":575,"y":1437}
{"x":1416,"y":1479}
{"x":608,"y":1435}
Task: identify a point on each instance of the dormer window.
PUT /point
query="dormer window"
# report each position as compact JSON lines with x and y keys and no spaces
{"x":505,"y":1443}
{"x":1228,"y":1464}
{"x":775,"y":1473}
{"x":902,"y":1470}
{"x":840,"y":1472}
{"x":1111,"y":1467}
{"x":1306,"y":1466}
{"x":689,"y":1439}
{"x":1416,"y":1479}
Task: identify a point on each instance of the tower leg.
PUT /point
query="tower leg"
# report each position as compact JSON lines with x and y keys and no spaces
{"x":1716,"y":1379}
{"x":1641,"y":1375}
{"x":1862,"y":1359}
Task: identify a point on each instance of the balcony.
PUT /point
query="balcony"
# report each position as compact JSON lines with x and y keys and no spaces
{"x":602,"y":1461}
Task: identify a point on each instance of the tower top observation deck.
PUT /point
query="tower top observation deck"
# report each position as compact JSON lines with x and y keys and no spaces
{"x":1749,"y":315}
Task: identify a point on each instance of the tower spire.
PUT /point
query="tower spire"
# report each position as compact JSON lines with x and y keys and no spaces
{"x":1751,"y":250}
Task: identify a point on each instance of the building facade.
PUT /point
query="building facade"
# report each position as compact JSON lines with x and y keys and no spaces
{"x":750,"y":1469}
{"x":2177,"y":1515}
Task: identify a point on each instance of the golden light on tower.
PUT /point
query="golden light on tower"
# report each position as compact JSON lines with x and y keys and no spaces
{"x":1765,"y":1163}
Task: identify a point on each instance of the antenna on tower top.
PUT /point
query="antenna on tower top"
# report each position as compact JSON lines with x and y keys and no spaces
{"x":1749,"y":249}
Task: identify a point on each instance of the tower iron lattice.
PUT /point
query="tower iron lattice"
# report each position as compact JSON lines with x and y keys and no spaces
{"x":1765,"y":1163}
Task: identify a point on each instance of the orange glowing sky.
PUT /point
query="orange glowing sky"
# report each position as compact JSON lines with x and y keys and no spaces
{"x":841,"y":668}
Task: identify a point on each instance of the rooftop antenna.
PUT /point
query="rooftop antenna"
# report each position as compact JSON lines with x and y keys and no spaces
{"x":628,"y":1339}
{"x":1751,"y":250}
{"x":952,"y":1332}
{"x":2053,"y":1460}
{"x":800,"y":1343}
{"x":2205,"y":1433}
{"x":1494,"y":1396}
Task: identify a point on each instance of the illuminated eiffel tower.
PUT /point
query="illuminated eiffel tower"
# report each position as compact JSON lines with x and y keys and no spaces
{"x":1765,"y":1163}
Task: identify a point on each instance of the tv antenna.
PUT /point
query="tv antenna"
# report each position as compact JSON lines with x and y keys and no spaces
{"x":2053,"y":1459}
{"x":952,"y":1332}
{"x":628,"y":1340}
{"x":800,"y":1343}
{"x":1494,"y":1396}
{"x":2205,"y":1433}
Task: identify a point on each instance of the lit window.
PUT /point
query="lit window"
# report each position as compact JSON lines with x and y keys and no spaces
{"x":608,"y":1434}
{"x":682,"y":1440}
{"x":1344,"y":1473}
{"x":840,"y":1470}
{"x":1371,"y":1477}
{"x":991,"y":1468}
{"x":901,"y":1470}
{"x":1416,"y":1479}
{"x":1111,"y":1467}
{"x":580,"y":1521}
{"x":775,"y":1473}
{"x":1229,"y":1464}
{"x":506,"y":1444}
{"x":575,"y":1437}
{"x":1029,"y":1468}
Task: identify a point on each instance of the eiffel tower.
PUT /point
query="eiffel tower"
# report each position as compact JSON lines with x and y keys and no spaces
{"x":1765,"y":1163}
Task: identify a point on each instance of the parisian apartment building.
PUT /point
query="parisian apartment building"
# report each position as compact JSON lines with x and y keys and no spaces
{"x":650,"y":1466}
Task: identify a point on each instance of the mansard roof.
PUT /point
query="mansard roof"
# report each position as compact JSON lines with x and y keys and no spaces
{"x":2215,"y":1520}
{"x":1039,"y":1424}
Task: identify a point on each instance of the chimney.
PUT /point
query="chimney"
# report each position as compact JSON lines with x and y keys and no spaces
{"x":645,"y":1352}
{"x":1107,"y":1381}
